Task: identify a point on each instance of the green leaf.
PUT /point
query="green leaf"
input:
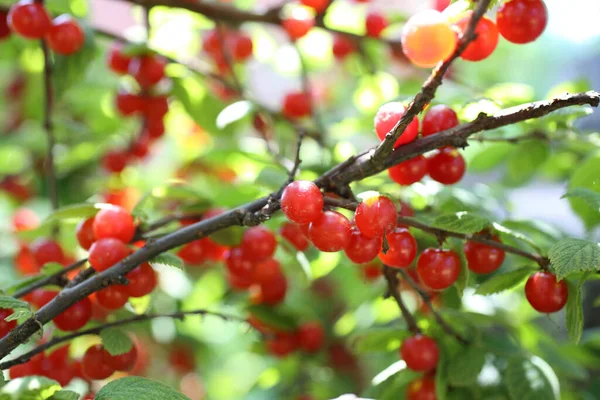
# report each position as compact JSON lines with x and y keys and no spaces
{"x":168,"y":259}
{"x":463,"y":277}
{"x":18,"y":314}
{"x":378,"y":340}
{"x":65,"y":395}
{"x":231,"y":236}
{"x":29,"y":388}
{"x":491,"y":155}
{"x":71,"y":69}
{"x":574,"y":255}
{"x":272,"y":317}
{"x":116,"y":341}
{"x":23,"y":283}
{"x":441,"y":377}
{"x":461,"y":222}
{"x":589,"y":196}
{"x":504,"y":281}
{"x":51,"y":268}
{"x":11,"y":302}
{"x":586,"y":176}
{"x":234,"y":112}
{"x":526,"y":380}
{"x":134,"y":387}
{"x":574,"y":311}
{"x":76,"y":211}
{"x":596,"y":302}
{"x":505,"y":231}
{"x":524,"y":162}
{"x":464,"y":369}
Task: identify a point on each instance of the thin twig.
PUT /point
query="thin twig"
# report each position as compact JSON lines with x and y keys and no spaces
{"x":391,"y":276}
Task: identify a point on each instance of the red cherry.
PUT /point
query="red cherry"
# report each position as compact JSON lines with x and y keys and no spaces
{"x":388,"y":116}
{"x":155,"y":108}
{"x":409,"y":171}
{"x":22,"y":370}
{"x":85,"y":233}
{"x":311,"y":336}
{"x":41,"y":297}
{"x":65,"y":36}
{"x":486,"y":41}
{"x":147,"y":70}
{"x":142,"y":281}
{"x":427,"y":39}
{"x":5,"y":326}
{"x":371,"y":271}
{"x":294,"y":234}
{"x":24,"y":219}
{"x":298,"y":25}
{"x":302,"y":202}
{"x":273,"y":290}
{"x":296,"y":105}
{"x":317,"y":5}
{"x":124,"y":362}
{"x":483,"y":259}
{"x":114,"y":222}
{"x":211,"y":42}
{"x":375,"y":215}
{"x":154,"y":128}
{"x":362,"y":249}
{"x":258,"y":244}
{"x":402,"y":249}
{"x":128,"y":104}
{"x":193,"y":253}
{"x":115,"y":161}
{"x":441,"y":5}
{"x":342,"y":47}
{"x":375,"y":24}
{"x":74,"y":317}
{"x":237,"y":264}
{"x":47,"y":250}
{"x":420,"y":353}
{"x":4,"y":29}
{"x":25,"y":262}
{"x":522,"y":21}
{"x":447,"y":166}
{"x":282,"y":344}
{"x":29,"y":19}
{"x":242,"y":47}
{"x":545,"y":293}
{"x":182,"y":359}
{"x":330,"y":232}
{"x":105,"y":253}
{"x":421,"y":389}
{"x":141,"y":146}
{"x":95,"y":363}
{"x":117,"y":61}
{"x":113,"y":297}
{"x":266,"y":271}
{"x":15,"y":189}
{"x":437,"y":119}
{"x":239,"y":282}
{"x":438,"y":269}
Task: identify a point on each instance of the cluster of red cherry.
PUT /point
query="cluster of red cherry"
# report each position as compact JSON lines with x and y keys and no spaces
{"x":148,"y":70}
{"x":237,"y":44}
{"x":308,"y":337}
{"x":31,"y":20}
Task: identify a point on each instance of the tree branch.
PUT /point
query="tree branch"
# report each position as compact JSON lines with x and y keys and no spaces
{"x":96,"y":330}
{"x":391,"y":277}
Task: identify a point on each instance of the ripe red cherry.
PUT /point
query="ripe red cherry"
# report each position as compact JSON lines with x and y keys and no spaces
{"x":115,"y":161}
{"x":388,"y":116}
{"x":193,"y":253}
{"x":298,"y":25}
{"x":486,"y":41}
{"x":112,"y":297}
{"x":371,"y":271}
{"x":95,"y":363}
{"x":522,"y":21}
{"x":142,"y":281}
{"x":5,"y":326}
{"x":421,"y":389}
{"x":242,"y":47}
{"x":409,"y":171}
{"x":182,"y":359}
{"x":294,"y":234}
{"x":4,"y":29}
{"x":29,"y":19}
{"x":420,"y":353}
{"x":85,"y":233}
{"x":239,"y":282}
{"x":282,"y":344}
{"x":65,"y":36}
{"x":239,"y":265}
{"x":147,"y":70}
{"x":375,"y":24}
{"x":375,"y":215}
{"x":402,"y":249}
{"x":342,"y":47}
{"x":311,"y":336}
{"x":25,"y":262}
{"x":155,"y":108}
{"x":117,"y":61}
{"x":273,"y":290}
{"x":545,"y":294}
{"x":447,"y":166}
{"x":296,"y":105}
{"x":483,"y":259}
{"x":362,"y":249}
{"x":114,"y":222}
{"x":302,"y":202}
{"x":211,"y":42}
{"x":258,"y":243}
{"x":438,"y":269}
{"x":124,"y":362}
{"x":317,"y":5}
{"x":41,"y":297}
{"x":438,"y":118}
{"x":128,"y":104}
{"x":427,"y":39}
{"x":105,"y":253}
{"x":141,"y":146}
{"x":154,"y":128}
{"x":24,"y":219}
{"x":46,"y":250}
{"x":74,"y":317}
{"x":330,"y":232}
{"x":266,"y":271}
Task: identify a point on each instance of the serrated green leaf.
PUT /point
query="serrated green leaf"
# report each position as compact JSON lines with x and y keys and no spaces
{"x":234,"y":112}
{"x":11,"y":302}
{"x":525,"y":380}
{"x":524,"y":162}
{"x":18,"y":314}
{"x":589,"y":196}
{"x":570,"y":256}
{"x":504,"y":281}
{"x":29,"y":388}
{"x":273,"y":318}
{"x":134,"y":387}
{"x":169,"y":259}
{"x":116,"y":341}
{"x":75,"y":211}
{"x":51,"y":268}
{"x":460,"y":222}
{"x":586,"y":176}
{"x":65,"y":395}
{"x":574,"y":311}
{"x":464,"y":369}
